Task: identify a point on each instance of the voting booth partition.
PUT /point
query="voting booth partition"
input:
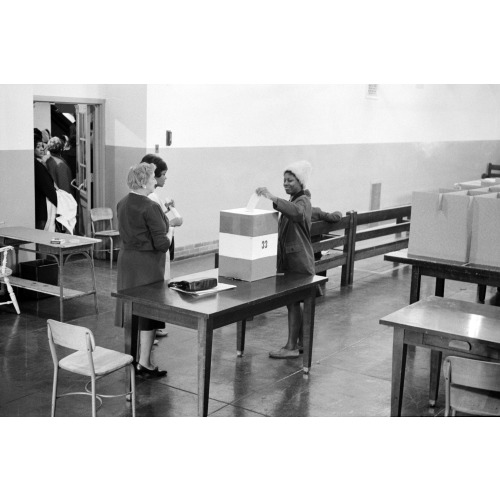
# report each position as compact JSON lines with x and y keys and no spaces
{"x":479,"y":183}
{"x":485,"y":238}
{"x":248,"y":243}
{"x":441,"y":224}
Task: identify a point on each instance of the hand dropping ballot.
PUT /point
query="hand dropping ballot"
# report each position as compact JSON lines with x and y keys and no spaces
{"x":252,"y":202}
{"x":248,"y":242}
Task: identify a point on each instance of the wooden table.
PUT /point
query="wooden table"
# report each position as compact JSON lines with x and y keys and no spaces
{"x":207,"y":313}
{"x":445,"y":270}
{"x":19,"y":237}
{"x":442,"y":270}
{"x":452,"y":327}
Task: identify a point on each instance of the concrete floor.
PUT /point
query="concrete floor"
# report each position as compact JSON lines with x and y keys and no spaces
{"x":350,"y":376}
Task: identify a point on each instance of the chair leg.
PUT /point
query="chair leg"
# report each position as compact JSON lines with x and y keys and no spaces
{"x":111,"y":253}
{"x":94,"y":414}
{"x":132,"y":387}
{"x":12,"y":295}
{"x":54,"y":393}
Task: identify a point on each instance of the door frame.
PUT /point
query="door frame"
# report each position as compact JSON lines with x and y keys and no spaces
{"x":98,"y":147}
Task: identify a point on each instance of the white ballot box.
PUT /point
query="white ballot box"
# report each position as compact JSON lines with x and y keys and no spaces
{"x":248,"y":243}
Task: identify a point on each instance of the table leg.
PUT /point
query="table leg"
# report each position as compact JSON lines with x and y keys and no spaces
{"x":92,"y":267}
{"x":399,"y":350}
{"x":439,"y":288}
{"x":436,"y":357}
{"x":415,"y":284}
{"x":241,"y":327}
{"x":131,"y":332}
{"x":308,"y":329}
{"x":131,"y":323}
{"x":481,"y":293}
{"x":60,"y":263}
{"x":205,"y":336}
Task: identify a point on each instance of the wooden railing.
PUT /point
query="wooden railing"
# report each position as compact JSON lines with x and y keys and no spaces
{"x":342,"y":239}
{"x":359,"y":227}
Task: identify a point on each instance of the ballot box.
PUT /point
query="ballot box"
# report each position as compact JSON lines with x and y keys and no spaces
{"x":248,"y":243}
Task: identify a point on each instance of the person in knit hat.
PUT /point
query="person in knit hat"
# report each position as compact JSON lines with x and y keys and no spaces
{"x":295,"y":252}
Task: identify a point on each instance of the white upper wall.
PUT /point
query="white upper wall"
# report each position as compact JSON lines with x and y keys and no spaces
{"x":16,"y":117}
{"x":85,"y":90}
{"x":271,"y":115}
{"x":126,"y":118}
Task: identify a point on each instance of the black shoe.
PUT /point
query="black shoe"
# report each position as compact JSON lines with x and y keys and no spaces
{"x":141,"y":370}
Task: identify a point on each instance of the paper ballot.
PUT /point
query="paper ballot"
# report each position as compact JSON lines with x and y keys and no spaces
{"x":252,"y":202}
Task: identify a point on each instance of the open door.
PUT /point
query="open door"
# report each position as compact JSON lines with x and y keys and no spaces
{"x":84,"y":165}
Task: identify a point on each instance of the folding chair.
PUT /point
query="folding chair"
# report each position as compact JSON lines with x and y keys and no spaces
{"x":5,"y":272}
{"x":89,"y":360}
{"x":105,"y":215}
{"x":471,"y":386}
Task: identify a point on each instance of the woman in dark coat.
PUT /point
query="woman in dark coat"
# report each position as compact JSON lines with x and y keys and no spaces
{"x":143,"y":228}
{"x":44,"y":186}
{"x":57,"y":167}
{"x":295,"y":253}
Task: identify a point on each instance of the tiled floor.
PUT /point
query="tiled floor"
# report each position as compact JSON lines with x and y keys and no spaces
{"x":351,"y":368}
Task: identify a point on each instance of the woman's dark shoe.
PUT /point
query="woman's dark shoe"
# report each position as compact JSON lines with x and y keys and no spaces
{"x":156,"y":372}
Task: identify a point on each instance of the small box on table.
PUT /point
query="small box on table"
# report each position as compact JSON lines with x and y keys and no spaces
{"x":248,"y":243}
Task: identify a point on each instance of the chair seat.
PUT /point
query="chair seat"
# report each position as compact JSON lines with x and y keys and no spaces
{"x":108,"y":232}
{"x":105,"y":361}
{"x":475,"y":401}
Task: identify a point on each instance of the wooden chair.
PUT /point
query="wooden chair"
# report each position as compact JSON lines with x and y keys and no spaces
{"x":5,"y":272}
{"x":491,"y":171}
{"x":89,"y":360}
{"x":105,"y":215}
{"x":471,"y":386}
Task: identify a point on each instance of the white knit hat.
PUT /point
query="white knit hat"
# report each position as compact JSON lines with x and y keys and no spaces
{"x":302,"y":170}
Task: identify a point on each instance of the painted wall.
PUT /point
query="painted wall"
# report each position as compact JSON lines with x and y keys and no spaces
{"x":229,"y":139}
{"x":17,"y":205}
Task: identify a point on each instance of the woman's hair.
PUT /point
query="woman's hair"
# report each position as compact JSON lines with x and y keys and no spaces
{"x":55,"y":145}
{"x":36,"y":139}
{"x":138,"y":175}
{"x":158,"y":162}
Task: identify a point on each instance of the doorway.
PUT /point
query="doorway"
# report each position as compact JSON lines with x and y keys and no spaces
{"x":80,"y":122}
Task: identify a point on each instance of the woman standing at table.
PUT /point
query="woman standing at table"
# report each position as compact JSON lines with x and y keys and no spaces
{"x":143,"y":229}
{"x":295,"y":253}
{"x":168,"y":209}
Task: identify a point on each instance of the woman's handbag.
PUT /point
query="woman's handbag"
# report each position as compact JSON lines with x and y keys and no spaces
{"x":194,"y":285}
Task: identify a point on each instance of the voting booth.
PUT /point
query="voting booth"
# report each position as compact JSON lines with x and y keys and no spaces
{"x":441,"y":224}
{"x":485,"y":239}
{"x":248,"y":243}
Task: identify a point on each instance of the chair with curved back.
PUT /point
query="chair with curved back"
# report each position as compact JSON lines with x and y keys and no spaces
{"x":5,"y":272}
{"x":88,"y":360}
{"x":471,"y":386}
{"x":104,"y":215}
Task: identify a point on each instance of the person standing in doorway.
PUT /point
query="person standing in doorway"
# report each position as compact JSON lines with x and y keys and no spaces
{"x":45,"y":190}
